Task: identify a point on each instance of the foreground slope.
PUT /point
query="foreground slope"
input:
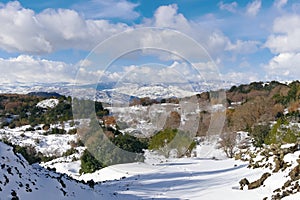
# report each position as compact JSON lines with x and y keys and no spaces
{"x":18,"y":180}
{"x":185,"y":178}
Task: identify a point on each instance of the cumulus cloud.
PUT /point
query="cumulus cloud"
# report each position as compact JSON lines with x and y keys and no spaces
{"x":230,"y":7}
{"x":285,"y":37}
{"x":94,"y":9}
{"x":253,"y":8}
{"x":23,"y":30}
{"x":26,"y":68}
{"x":285,"y":66}
{"x":214,"y":41}
{"x":243,"y":47}
{"x":285,"y":43}
{"x":168,"y":17}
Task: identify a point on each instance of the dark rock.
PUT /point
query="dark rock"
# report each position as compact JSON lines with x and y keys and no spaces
{"x":258,"y":182}
{"x":243,"y":182}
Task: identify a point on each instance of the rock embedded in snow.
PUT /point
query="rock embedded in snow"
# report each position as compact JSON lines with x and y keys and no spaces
{"x":48,"y":103}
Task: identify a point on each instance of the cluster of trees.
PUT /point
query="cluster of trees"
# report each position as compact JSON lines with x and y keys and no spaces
{"x":279,"y":133}
{"x":26,"y":112}
{"x":146,"y":101}
{"x":123,"y":149}
{"x":172,"y":141}
{"x":107,"y":146}
{"x":259,"y":104}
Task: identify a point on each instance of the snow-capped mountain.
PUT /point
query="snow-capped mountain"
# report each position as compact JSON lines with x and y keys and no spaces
{"x":154,"y":91}
{"x":109,"y":92}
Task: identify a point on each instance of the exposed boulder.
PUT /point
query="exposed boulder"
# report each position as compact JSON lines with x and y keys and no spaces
{"x":259,"y":182}
{"x":295,"y":173}
{"x":243,"y":183}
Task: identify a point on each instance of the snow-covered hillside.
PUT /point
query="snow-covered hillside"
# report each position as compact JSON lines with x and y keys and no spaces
{"x":53,"y":144}
{"x":18,"y":180}
{"x":156,"y":91}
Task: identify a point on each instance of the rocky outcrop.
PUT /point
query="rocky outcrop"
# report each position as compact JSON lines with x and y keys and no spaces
{"x":259,"y":182}
{"x":273,"y":158}
{"x":254,"y":184}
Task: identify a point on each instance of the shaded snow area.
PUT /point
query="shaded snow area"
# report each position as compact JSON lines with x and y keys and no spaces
{"x":69,"y":165}
{"x":48,"y":103}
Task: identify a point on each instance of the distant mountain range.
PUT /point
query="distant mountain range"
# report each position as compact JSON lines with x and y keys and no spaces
{"x":111,"y":91}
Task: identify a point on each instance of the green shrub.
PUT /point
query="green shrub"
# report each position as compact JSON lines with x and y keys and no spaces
{"x":162,"y":138}
{"x":29,"y":153}
{"x":259,"y":134}
{"x":70,"y":152}
{"x":169,"y":140}
{"x":130,"y":143}
{"x":281,"y":132}
{"x":89,"y":163}
{"x":72,"y":131}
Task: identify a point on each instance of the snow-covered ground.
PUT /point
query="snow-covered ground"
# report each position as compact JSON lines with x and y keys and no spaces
{"x":186,"y":178}
{"x":49,"y":145}
{"x":143,"y":120}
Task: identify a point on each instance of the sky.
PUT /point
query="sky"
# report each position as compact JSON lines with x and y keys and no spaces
{"x":52,"y":41}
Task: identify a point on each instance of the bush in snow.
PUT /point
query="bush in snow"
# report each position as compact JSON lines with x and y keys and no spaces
{"x":169,"y":140}
{"x":89,"y":163}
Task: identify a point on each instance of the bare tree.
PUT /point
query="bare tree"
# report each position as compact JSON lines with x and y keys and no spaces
{"x":228,"y":143}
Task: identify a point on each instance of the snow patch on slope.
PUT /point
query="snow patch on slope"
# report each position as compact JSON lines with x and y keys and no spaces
{"x":48,"y":103}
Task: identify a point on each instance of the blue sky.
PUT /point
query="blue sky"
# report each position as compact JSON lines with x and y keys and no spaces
{"x":248,"y":40}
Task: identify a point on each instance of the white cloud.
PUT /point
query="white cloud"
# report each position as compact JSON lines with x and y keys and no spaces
{"x":214,"y":41}
{"x":285,"y":43}
{"x":23,"y":30}
{"x":285,"y":37}
{"x":243,"y":47}
{"x":108,"y":9}
{"x":253,"y":8}
{"x":285,"y":66}
{"x":280,"y":3}
{"x":240,"y":77}
{"x":154,"y":73}
{"x":168,"y":17}
{"x":230,"y":7}
{"x":26,"y":68}
{"x":177,"y":72}
{"x":84,"y":63}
